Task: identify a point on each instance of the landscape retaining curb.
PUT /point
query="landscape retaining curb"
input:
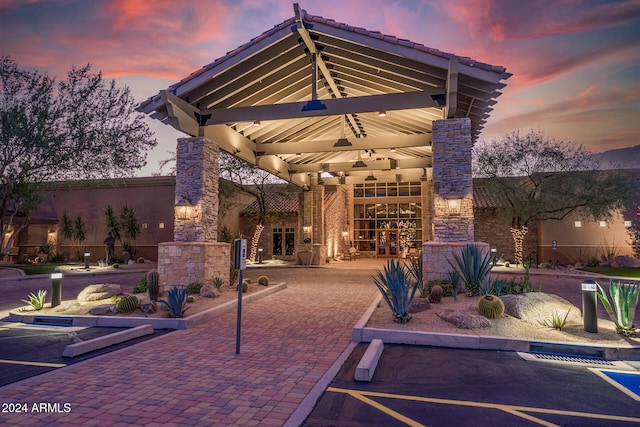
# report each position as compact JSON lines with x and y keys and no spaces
{"x":361,"y":333}
{"x":131,"y":322}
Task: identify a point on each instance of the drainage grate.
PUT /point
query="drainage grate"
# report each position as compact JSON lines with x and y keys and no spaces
{"x":53,"y":320}
{"x":572,"y":359}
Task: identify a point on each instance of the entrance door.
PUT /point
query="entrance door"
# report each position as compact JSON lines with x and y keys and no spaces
{"x":387,"y":243}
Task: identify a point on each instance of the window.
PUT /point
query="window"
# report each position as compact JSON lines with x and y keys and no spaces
{"x":603,"y":223}
{"x":161,"y":225}
{"x":627,"y":224}
{"x":283,"y":241}
{"x":577,"y":224}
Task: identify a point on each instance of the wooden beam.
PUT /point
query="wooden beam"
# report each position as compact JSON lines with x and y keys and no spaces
{"x":452,"y":88}
{"x":181,"y":113}
{"x":403,"y":141}
{"x":336,"y":106}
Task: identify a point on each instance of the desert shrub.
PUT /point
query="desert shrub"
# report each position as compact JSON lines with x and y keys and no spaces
{"x":218,"y":282}
{"x":142,"y":286}
{"x":263,"y":281}
{"x":474,"y":268}
{"x":233,"y":274}
{"x":36,"y":301}
{"x":397,"y":289}
{"x":622,"y":308}
{"x":194,"y":288}
{"x":447,"y":287}
{"x":176,"y":302}
{"x":140,"y":260}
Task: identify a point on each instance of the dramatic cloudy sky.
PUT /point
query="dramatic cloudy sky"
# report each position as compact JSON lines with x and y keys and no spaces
{"x":575,"y":63}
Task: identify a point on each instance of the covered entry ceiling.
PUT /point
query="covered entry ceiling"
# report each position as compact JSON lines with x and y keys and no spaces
{"x":313,"y":95}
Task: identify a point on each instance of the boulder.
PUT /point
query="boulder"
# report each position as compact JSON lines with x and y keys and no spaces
{"x":98,"y":292}
{"x":148,"y":307}
{"x":464,"y":319}
{"x":536,"y":307}
{"x":419,"y":304}
{"x":209,"y":291}
{"x":625,"y":262}
{"x":101,"y":310}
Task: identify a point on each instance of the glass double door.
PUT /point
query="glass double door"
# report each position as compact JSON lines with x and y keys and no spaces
{"x":387,"y":243}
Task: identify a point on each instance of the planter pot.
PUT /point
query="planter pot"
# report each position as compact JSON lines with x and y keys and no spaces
{"x":305,"y":258}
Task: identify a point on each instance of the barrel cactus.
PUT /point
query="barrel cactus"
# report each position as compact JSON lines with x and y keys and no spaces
{"x":490,"y":306}
{"x":263,"y":281}
{"x":435,"y":296}
{"x":153,"y":284}
{"x":127,"y":304}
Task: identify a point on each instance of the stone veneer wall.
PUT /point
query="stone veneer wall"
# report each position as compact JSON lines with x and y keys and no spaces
{"x":181,"y":263}
{"x":197,"y":171}
{"x":493,"y":228}
{"x":452,"y":179}
{"x":435,"y":256}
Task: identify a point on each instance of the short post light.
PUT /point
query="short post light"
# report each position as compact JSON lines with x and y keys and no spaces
{"x":56,"y":288}
{"x":590,"y":305}
{"x":87,"y":257}
{"x":259,"y":255}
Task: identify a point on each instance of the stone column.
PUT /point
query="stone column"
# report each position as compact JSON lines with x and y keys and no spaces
{"x":452,"y":180}
{"x":197,"y":172}
{"x":195,"y":255}
{"x":311,"y":217}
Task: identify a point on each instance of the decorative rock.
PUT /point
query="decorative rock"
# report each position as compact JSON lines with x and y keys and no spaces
{"x":209,"y":291}
{"x":101,"y":310}
{"x":536,"y":307}
{"x":69,"y":305}
{"x":419,"y":304}
{"x":98,"y":292}
{"x":149,"y":307}
{"x":625,"y":262}
{"x":464,"y":320}
{"x":113,"y":309}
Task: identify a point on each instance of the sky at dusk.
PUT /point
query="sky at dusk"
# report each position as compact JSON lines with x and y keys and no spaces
{"x":575,"y":63}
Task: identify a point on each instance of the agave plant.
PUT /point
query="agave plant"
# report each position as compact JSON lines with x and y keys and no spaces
{"x":37,"y":301}
{"x":474,"y":268}
{"x":397,"y":289}
{"x":622,"y":312}
{"x":177,"y":302}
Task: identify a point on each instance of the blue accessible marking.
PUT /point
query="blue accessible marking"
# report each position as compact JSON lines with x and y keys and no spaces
{"x":625,"y":381}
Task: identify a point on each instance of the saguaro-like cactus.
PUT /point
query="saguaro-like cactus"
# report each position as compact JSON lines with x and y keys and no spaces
{"x":153,"y":284}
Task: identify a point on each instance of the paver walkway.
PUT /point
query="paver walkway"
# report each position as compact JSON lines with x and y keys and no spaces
{"x":193,"y":377}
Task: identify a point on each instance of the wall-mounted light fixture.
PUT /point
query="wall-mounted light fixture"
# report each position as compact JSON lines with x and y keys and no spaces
{"x":306,"y":229}
{"x":184,"y":208}
{"x":454,"y":206}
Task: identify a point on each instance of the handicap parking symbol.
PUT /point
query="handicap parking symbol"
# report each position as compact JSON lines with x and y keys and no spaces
{"x":627,"y":382}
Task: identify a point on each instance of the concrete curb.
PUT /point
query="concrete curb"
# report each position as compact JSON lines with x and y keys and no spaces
{"x":369,"y":361}
{"x":77,"y":349}
{"x":363,"y":334}
{"x":156,"y":323}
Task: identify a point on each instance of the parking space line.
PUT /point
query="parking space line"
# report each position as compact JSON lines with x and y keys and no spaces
{"x":515,"y":410}
{"x":398,"y":416}
{"x":41,"y":364}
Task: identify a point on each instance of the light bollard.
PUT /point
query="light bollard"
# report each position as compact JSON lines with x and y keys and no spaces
{"x":590,"y":305}
{"x":259,"y":255}
{"x":56,"y":289}
{"x":87,"y":256}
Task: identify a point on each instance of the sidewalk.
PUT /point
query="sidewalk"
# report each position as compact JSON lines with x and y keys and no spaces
{"x":291,"y":344}
{"x":193,"y":377}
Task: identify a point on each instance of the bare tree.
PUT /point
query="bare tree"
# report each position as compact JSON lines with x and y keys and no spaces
{"x":545,"y":179}
{"x":77,"y":127}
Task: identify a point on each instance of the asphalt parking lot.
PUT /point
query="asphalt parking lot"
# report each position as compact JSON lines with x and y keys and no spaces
{"x":29,"y":350}
{"x":419,"y":386}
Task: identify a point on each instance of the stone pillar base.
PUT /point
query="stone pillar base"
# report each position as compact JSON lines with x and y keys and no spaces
{"x":181,"y":263}
{"x":320,"y":254}
{"x":435,"y":255}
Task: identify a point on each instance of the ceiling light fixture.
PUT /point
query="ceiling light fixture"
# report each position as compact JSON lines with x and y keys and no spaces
{"x":256,"y":123}
{"x":371,"y":177}
{"x":382,"y":114}
{"x":359,"y":163}
{"x":343,"y":141}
